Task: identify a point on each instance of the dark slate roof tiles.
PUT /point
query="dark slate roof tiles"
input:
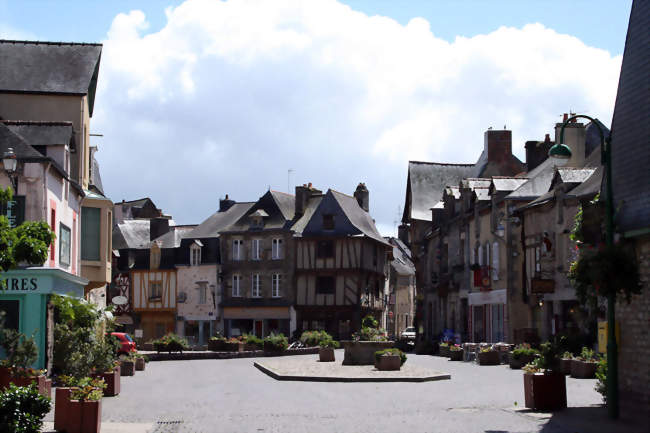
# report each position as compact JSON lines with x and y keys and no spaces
{"x":220,"y":221}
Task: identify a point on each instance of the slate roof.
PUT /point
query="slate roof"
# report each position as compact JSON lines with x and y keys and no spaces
{"x":172,"y":239}
{"x":453,"y":191}
{"x":482,"y":193}
{"x":401,"y":262}
{"x":425,"y":184}
{"x":131,"y":234}
{"x":50,"y":67}
{"x":572,"y":174}
{"x":219,"y":221}
{"x":312,"y":205}
{"x":42,"y":133}
{"x":474,"y":182}
{"x":538,"y":183}
{"x":286,"y":203}
{"x":273,"y":203}
{"x":506,"y":183}
{"x":95,"y":176}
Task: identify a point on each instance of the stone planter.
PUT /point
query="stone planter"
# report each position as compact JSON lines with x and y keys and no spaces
{"x":388,"y":363}
{"x":565,"y":365}
{"x":489,"y":358}
{"x":140,"y":364}
{"x":85,"y":416}
{"x":363,"y":352}
{"x":326,"y":354}
{"x":127,"y":368}
{"x":62,"y":417}
{"x":545,"y":391}
{"x":455,"y":355}
{"x":583,"y":369}
{"x":518,"y":363}
{"x":443,"y":351}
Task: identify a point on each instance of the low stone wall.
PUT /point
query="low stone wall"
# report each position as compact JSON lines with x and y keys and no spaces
{"x":176,"y":356}
{"x":363,"y":352}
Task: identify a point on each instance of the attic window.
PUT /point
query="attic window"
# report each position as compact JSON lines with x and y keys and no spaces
{"x":328,"y":222}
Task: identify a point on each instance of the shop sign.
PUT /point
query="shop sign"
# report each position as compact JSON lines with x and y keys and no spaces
{"x":14,"y":210}
{"x":539,"y":285}
{"x":20,"y":284}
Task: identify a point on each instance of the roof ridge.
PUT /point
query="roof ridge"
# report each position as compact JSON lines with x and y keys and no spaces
{"x":442,"y":163}
{"x":342,"y":193}
{"x":37,"y":122}
{"x":282,"y":192}
{"x":18,"y":41}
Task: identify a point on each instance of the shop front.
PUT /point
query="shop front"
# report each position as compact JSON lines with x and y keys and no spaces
{"x":486,"y":318}
{"x":25,"y":301}
{"x":260,"y":321}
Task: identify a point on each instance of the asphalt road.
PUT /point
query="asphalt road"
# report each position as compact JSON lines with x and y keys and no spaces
{"x":233,"y":396}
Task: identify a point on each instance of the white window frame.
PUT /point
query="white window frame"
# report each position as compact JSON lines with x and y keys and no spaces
{"x":276,"y":283}
{"x":237,"y":249}
{"x":255,"y":286}
{"x":276,"y":249}
{"x":236,"y":286}
{"x":203,"y":294}
{"x":195,"y":255}
{"x":255,"y":249}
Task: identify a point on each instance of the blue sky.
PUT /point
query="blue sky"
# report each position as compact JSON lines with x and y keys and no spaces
{"x":216,"y":98}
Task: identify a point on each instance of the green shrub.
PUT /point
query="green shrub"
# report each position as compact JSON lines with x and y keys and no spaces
{"x":369,"y":322}
{"x":20,"y":351}
{"x":88,"y":389}
{"x":329,"y":342}
{"x":318,"y":338}
{"x":588,"y":354}
{"x":171,"y":343}
{"x":524,"y":350}
{"x":601,"y":376}
{"x":253,"y":340}
{"x":22,"y":409}
{"x":276,"y":343}
{"x":391,"y":351}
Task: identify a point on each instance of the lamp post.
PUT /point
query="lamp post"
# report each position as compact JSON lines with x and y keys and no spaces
{"x":10,"y":164}
{"x":561,"y":152}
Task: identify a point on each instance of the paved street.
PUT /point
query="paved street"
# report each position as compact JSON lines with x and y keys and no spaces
{"x":233,"y":396}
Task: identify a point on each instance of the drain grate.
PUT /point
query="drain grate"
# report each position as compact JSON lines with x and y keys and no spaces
{"x":168,"y":426}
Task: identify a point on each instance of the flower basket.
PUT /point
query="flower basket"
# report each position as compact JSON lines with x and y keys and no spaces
{"x":545,"y":391}
{"x":326,"y":354}
{"x":85,"y":416}
{"x":491,"y":357}
{"x":127,"y":368}
{"x":388,"y":363}
{"x":140,"y":364}
{"x":565,"y":365}
{"x":62,"y":416}
{"x":456,"y":355}
{"x":583,"y":369}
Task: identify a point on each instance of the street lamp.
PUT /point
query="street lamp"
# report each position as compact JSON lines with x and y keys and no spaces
{"x":10,"y":164}
{"x":559,"y":152}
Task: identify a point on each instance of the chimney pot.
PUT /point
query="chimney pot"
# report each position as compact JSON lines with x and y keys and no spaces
{"x":565,"y":117}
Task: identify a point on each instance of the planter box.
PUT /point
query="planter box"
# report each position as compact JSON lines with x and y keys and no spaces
{"x":62,"y":409}
{"x":148,"y":346}
{"x":388,"y":363}
{"x":456,"y":355}
{"x":545,"y":391}
{"x":127,"y":368}
{"x":271,"y":350}
{"x":252,"y":347}
{"x":113,"y":384}
{"x":85,"y":416}
{"x":216,"y":345}
{"x":489,"y":358}
{"x":565,"y":365}
{"x":583,"y":369}
{"x":444,"y":351}
{"x":140,"y":364}
{"x":363,"y":352}
{"x":233,"y":347}
{"x":517,"y":364}
{"x":41,"y":381}
{"x":326,"y":354}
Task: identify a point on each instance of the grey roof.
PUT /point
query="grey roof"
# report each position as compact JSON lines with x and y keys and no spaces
{"x":219,"y":221}
{"x":504,"y":183}
{"x":569,"y":175}
{"x":591,"y":186}
{"x":573,"y":174}
{"x":538,"y":183}
{"x":473,"y":182}
{"x":259,"y":213}
{"x":22,"y":149}
{"x":286,"y":203}
{"x":401,"y":262}
{"x":453,"y":191}
{"x":426,"y":183}
{"x":131,"y":234}
{"x":95,"y":176}
{"x":312,"y":205}
{"x":42,"y":133}
{"x":172,"y":239}
{"x":357,"y":216}
{"x":275,"y":205}
{"x":49,"y":67}
{"x":482,"y":193}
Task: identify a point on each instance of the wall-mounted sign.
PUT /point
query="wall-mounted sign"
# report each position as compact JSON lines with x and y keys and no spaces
{"x":14,"y":210}
{"x":539,"y":285}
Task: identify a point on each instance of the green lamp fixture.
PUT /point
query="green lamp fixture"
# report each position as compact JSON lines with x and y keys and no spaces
{"x":560,"y":153}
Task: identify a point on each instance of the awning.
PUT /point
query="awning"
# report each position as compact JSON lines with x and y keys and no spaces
{"x":489,"y":297}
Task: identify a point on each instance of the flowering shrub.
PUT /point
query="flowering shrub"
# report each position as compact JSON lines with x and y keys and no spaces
{"x":392,"y":351}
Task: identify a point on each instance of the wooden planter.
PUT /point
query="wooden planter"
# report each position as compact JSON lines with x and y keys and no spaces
{"x":233,"y":347}
{"x":252,"y":347}
{"x":565,"y":365}
{"x":216,"y":345}
{"x":455,"y":355}
{"x":326,"y":354}
{"x":489,"y":358}
{"x":140,"y":364}
{"x":444,"y":351}
{"x":148,"y":346}
{"x":388,"y":363}
{"x":545,"y":391}
{"x":113,"y":384}
{"x":271,"y":350}
{"x":127,"y":368}
{"x":85,"y":416}
{"x":583,"y":369}
{"x":363,"y":352}
{"x":62,"y":417}
{"x":518,"y":363}
{"x":41,"y":381}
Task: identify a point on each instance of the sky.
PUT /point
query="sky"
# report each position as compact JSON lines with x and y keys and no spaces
{"x":202,"y":98}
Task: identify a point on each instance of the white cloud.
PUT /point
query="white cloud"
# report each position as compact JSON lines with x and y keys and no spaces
{"x":229,"y":95}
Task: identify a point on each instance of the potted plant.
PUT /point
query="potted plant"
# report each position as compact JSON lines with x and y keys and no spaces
{"x":443,"y":349}
{"x":21,"y":352}
{"x":585,"y":365}
{"x":544,"y":385}
{"x":565,"y":362}
{"x":216,"y":343}
{"x":22,"y":409}
{"x":522,"y":355}
{"x":389,"y":359}
{"x":105,"y":365}
{"x":252,"y":342}
{"x":455,"y":353}
{"x":361,"y":349}
{"x":140,"y":361}
{"x":127,"y":365}
{"x":488,"y":356}
{"x":85,"y":406}
{"x":171,"y":343}
{"x":326,"y":348}
{"x":275,"y":344}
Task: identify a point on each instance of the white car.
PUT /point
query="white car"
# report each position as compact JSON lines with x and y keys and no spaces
{"x":408,"y":333}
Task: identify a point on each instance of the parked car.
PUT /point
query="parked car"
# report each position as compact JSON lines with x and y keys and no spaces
{"x":408,"y":333}
{"x":126,"y":343}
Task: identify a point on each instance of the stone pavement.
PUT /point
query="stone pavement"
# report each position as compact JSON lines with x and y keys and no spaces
{"x":233,"y":396}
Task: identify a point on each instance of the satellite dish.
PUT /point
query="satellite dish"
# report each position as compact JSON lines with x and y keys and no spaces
{"x":120,"y":300}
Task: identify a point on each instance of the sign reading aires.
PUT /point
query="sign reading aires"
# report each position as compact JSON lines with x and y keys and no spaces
{"x":14,"y":210}
{"x":542,"y":286}
{"x":24,"y":284}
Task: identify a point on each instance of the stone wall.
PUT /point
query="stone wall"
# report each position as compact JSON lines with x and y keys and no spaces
{"x":634,"y":348}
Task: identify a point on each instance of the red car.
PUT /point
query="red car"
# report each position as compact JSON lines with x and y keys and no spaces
{"x":126,"y":343}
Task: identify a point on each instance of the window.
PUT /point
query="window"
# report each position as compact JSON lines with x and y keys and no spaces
{"x":237,"y":249}
{"x":155,"y":289}
{"x":236,"y":280}
{"x":255,"y":249}
{"x":195,"y":255}
{"x":255,"y":286}
{"x":325,"y":249}
{"x":480,"y":255}
{"x":64,"y":245}
{"x":154,"y":256}
{"x":276,"y":249}
{"x":328,"y":222}
{"x":202,"y":293}
{"x":276,"y":282}
{"x":495,"y":261}
{"x":325,"y":285}
{"x":90,"y":233}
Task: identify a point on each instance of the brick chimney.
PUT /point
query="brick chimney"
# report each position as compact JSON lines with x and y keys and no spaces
{"x":363,"y":196}
{"x":303,"y":194}
{"x":498,"y":145}
{"x":225,"y":204}
{"x":537,"y":152}
{"x":158,"y":227}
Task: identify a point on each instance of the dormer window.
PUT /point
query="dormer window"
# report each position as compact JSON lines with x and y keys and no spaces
{"x":257,"y":218}
{"x":328,"y":222}
{"x":195,"y":254}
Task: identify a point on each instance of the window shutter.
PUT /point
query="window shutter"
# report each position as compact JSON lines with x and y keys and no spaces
{"x":480,"y":255}
{"x":495,"y":261}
